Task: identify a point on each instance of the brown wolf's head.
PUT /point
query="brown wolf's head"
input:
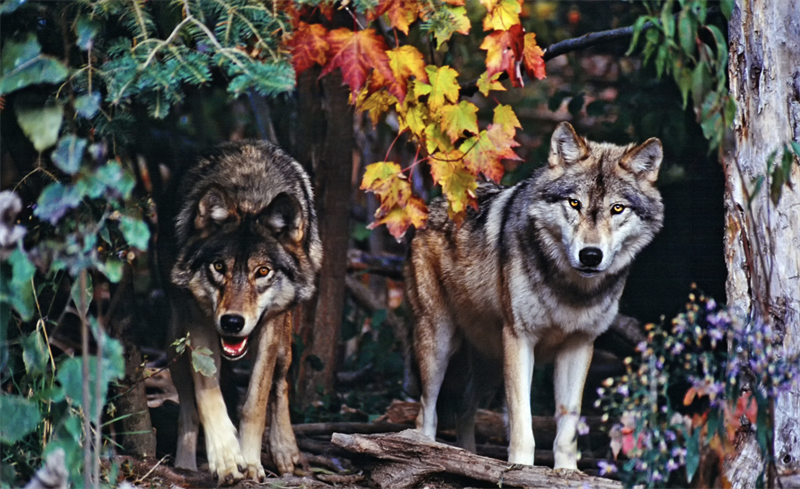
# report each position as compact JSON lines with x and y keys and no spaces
{"x":597,"y":205}
{"x":243,"y":267}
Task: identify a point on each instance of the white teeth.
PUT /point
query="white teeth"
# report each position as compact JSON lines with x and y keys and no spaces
{"x":234,"y":350}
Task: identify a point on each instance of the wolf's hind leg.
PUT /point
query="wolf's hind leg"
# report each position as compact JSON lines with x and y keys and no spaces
{"x":571,"y":366}
{"x":188,"y":421}
{"x":434,"y":345}
{"x":518,"y":375}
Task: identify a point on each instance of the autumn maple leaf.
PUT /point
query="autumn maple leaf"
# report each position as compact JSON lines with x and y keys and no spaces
{"x":484,"y":153}
{"x":487,"y":83}
{"x":405,"y":62}
{"x":355,"y":54}
{"x":401,"y":13}
{"x":458,"y":184}
{"x":459,"y":118}
{"x":399,"y":218}
{"x":504,"y":116}
{"x":308,"y":46}
{"x":503,"y":49}
{"x":442,"y":85}
{"x":501,"y":15}
{"x":386,"y":179}
{"x":532,"y":57}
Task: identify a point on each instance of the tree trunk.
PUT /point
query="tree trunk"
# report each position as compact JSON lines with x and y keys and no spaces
{"x":762,"y":240}
{"x":334,"y":191}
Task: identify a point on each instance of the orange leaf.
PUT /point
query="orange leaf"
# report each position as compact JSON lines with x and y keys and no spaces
{"x":503,"y":49}
{"x":484,"y":153}
{"x":355,"y":54}
{"x":401,"y":13}
{"x":689,"y":397}
{"x":405,"y":62}
{"x":399,"y":218}
{"x":532,"y":57}
{"x":308,"y":46}
{"x":501,"y":15}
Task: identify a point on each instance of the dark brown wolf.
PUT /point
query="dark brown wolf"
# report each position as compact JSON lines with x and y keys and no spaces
{"x":535,"y":275}
{"x":238,"y":248}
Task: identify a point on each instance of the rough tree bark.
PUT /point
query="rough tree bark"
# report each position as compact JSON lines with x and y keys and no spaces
{"x":334,"y":191}
{"x":762,"y":240}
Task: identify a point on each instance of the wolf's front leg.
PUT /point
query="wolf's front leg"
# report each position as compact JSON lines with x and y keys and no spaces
{"x":518,"y":375}
{"x":571,"y":366}
{"x":254,"y":410}
{"x":222,"y":445}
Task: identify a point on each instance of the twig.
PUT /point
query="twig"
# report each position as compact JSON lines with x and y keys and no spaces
{"x":145,"y":476}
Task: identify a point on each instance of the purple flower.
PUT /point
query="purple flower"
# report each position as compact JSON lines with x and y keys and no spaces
{"x":583,"y":428}
{"x":672,"y":465}
{"x":606,"y":468}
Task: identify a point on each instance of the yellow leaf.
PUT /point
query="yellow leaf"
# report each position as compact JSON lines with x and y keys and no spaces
{"x":502,"y":15}
{"x":505,"y":116}
{"x":459,"y":118}
{"x":442,"y":85}
{"x":485,"y":84}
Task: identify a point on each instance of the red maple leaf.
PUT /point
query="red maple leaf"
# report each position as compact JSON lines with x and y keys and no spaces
{"x":532,"y":57}
{"x":355,"y":54}
{"x":308,"y":46}
{"x":503,"y":50}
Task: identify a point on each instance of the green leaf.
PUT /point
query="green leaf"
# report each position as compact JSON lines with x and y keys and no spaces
{"x":70,"y":372}
{"x":661,"y":59}
{"x":87,"y":105}
{"x":667,"y":20}
{"x":17,"y":290}
{"x":115,"y":177}
{"x":86,"y":28}
{"x":203,"y":362}
{"x":69,"y":153}
{"x":701,"y":83}
{"x":687,"y":31}
{"x":23,"y":65}
{"x":55,"y":200}
{"x":726,"y":6}
{"x":34,"y":353}
{"x":692,"y":454}
{"x":10,"y":6}
{"x":684,"y":81}
{"x":637,"y":31}
{"x":722,"y":46}
{"x":136,"y":232}
{"x":113,"y":270}
{"x":20,"y":416}
{"x":76,"y":294}
{"x":40,"y":124}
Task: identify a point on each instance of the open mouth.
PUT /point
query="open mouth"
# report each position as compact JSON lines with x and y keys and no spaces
{"x":233,"y":348}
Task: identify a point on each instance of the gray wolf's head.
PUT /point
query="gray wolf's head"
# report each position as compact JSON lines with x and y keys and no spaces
{"x":243,"y":267}
{"x":596,"y":204}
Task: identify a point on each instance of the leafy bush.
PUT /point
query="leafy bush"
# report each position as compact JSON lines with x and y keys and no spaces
{"x":725,"y":372}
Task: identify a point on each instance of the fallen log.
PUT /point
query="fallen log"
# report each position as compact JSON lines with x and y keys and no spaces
{"x":411,"y":457}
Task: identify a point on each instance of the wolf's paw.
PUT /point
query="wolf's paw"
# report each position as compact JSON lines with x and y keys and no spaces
{"x":254,"y":471}
{"x":285,"y":454}
{"x":224,"y":460}
{"x":566,"y":472}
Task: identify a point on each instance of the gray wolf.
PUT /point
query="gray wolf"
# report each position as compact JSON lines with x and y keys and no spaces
{"x":238,"y":248}
{"x":533,"y":276}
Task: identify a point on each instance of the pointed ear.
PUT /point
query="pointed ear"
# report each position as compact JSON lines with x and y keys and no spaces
{"x":566,"y":147}
{"x":214,"y":208}
{"x":284,"y":217}
{"x":644,"y":160}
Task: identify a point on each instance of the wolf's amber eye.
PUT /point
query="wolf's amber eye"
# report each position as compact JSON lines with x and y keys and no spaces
{"x":617,"y":208}
{"x":262,"y":272}
{"x":219,"y":266}
{"x":575,"y":203}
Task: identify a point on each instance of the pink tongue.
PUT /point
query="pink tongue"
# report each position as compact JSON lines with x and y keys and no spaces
{"x":234,"y":349}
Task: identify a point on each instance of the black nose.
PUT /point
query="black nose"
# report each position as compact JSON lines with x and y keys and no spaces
{"x":591,"y":257}
{"x":231,"y":323}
